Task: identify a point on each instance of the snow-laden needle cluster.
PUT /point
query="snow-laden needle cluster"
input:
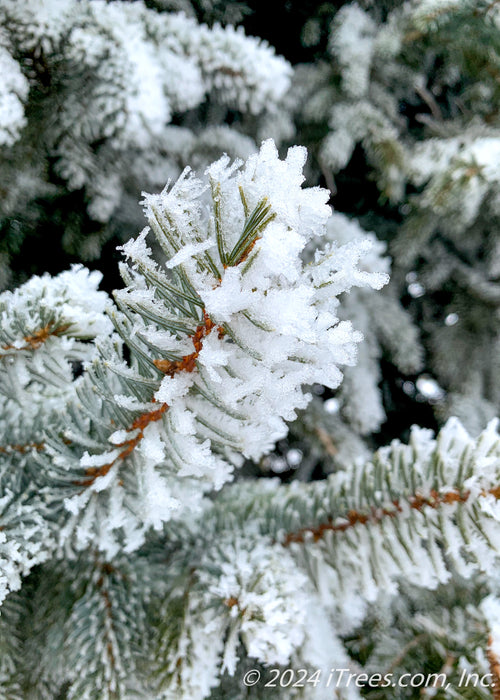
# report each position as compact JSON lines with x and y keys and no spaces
{"x":225,"y":326}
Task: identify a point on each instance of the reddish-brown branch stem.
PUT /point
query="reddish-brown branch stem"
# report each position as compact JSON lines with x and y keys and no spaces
{"x":22,"y":449}
{"x":188,"y":362}
{"x":34,"y":341}
{"x":139,"y":424}
{"x":377,"y":515}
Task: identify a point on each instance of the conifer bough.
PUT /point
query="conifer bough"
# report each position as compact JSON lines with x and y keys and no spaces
{"x":122,"y":422}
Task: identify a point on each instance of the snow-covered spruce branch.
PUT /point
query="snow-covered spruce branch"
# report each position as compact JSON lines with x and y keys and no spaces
{"x":102,"y":99}
{"x":222,"y":337}
{"x":45,"y":331}
{"x":433,"y":504}
{"x":143,"y":54}
{"x":268,"y":574}
{"x":425,"y":513}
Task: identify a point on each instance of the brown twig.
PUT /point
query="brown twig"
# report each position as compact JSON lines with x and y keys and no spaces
{"x":22,"y":449}
{"x":139,"y":424}
{"x":39,"y":337}
{"x":377,"y":515}
{"x":188,"y":362}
